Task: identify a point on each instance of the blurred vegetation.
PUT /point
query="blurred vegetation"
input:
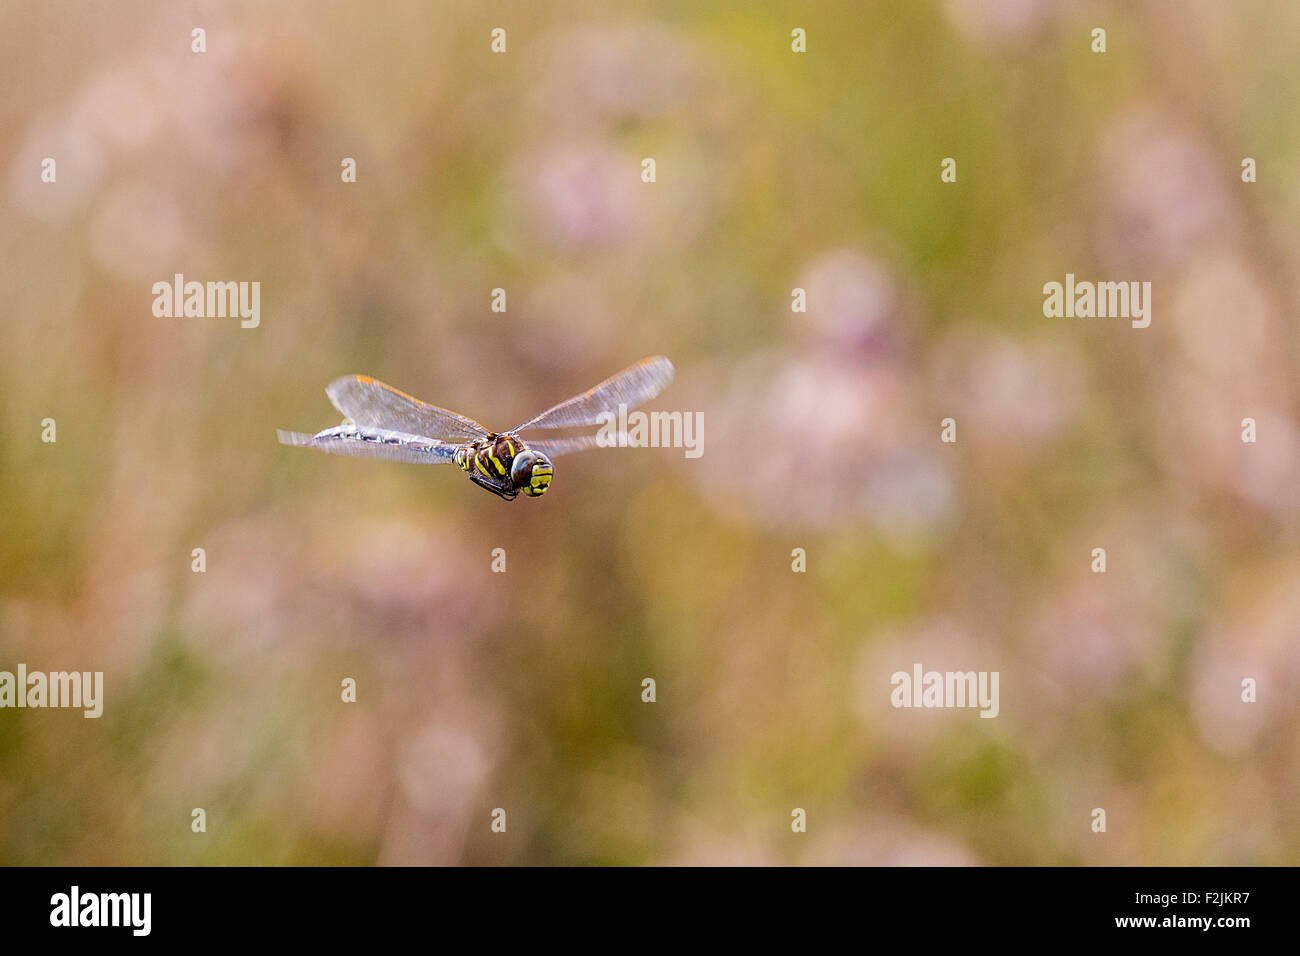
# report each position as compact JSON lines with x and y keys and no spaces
{"x":775,"y":170}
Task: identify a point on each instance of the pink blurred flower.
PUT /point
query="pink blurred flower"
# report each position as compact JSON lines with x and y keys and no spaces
{"x":610,"y":72}
{"x":1256,"y":642}
{"x":852,"y":301}
{"x":996,"y":22}
{"x":584,"y":194}
{"x":1011,"y":393}
{"x":1162,"y":192}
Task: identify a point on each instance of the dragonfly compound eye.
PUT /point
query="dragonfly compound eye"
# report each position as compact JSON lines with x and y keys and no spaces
{"x":531,"y":472}
{"x":521,"y":469}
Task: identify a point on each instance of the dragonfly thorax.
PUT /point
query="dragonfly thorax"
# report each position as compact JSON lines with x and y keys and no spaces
{"x":506,"y":466}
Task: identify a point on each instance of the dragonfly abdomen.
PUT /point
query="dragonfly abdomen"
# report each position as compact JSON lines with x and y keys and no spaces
{"x":357,"y":440}
{"x":377,"y":436}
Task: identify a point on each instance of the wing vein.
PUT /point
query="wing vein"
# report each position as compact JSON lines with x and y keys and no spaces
{"x":373,"y":404}
{"x":631,"y":387}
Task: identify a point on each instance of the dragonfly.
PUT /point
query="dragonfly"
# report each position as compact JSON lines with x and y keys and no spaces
{"x":384,"y":422}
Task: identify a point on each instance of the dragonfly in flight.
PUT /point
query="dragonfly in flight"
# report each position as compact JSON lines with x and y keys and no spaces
{"x":383,"y":422}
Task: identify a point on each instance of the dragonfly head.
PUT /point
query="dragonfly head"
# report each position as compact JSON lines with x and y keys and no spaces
{"x":531,"y":472}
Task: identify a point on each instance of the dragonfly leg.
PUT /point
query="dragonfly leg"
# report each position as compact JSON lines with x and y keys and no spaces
{"x":504,"y":492}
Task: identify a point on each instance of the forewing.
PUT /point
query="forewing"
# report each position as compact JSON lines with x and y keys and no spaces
{"x":631,"y":387}
{"x":361,"y":442}
{"x":375,"y":405}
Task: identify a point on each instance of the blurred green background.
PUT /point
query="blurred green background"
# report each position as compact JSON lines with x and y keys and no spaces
{"x":775,"y":170}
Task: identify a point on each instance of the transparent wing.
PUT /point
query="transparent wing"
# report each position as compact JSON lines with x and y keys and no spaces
{"x":550,"y":447}
{"x":376,"y":405}
{"x":374,"y":443}
{"x":631,"y":387}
